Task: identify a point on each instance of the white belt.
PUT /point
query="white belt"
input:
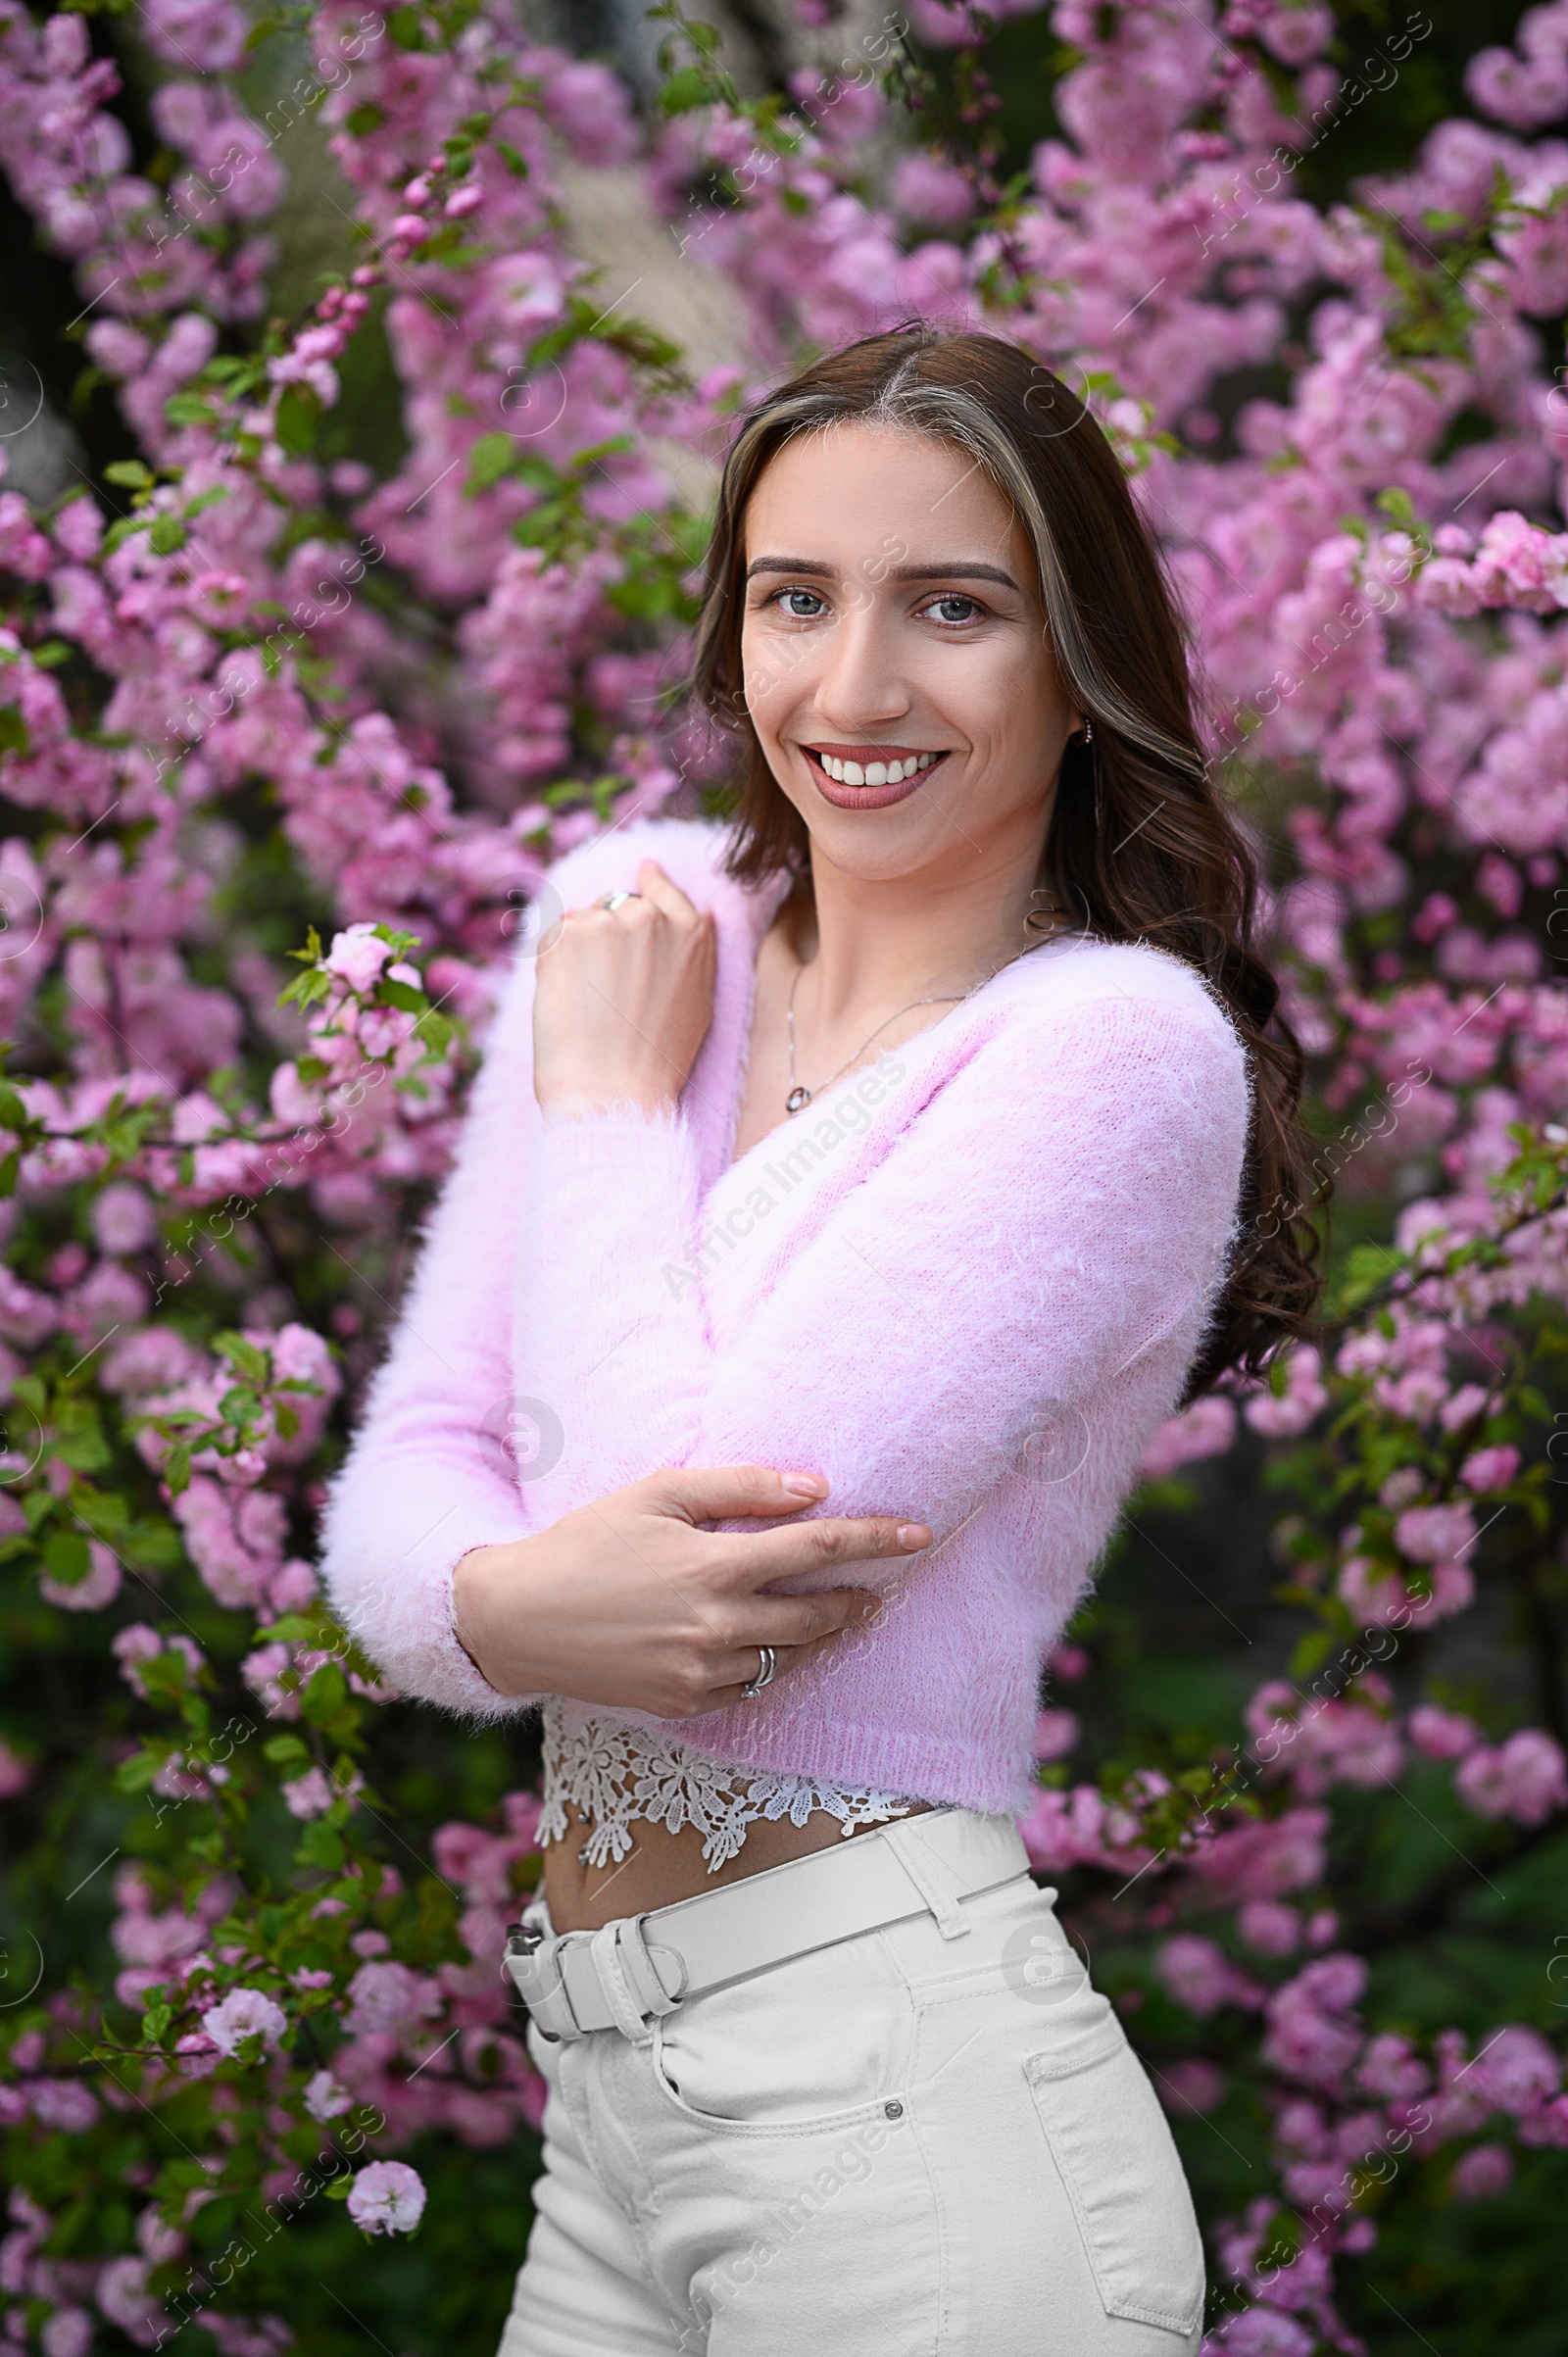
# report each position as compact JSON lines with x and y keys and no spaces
{"x":644,"y":1965}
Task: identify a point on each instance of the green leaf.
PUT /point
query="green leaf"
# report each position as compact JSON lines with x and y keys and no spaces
{"x":131,"y":473}
{"x":1311,"y":1652}
{"x":298,"y":415}
{"x":281,"y":1750}
{"x":167,"y":535}
{"x":402,"y":994}
{"x":325,"y":1695}
{"x":66,"y":1554}
{"x":122,"y":530}
{"x":363,"y":120}
{"x":155,"y":2022}
{"x":13,"y":1112}
{"x":136,"y":1774}
{"x":243,"y":1356}
{"x":320,"y":1847}
{"x":15,"y":734}
{"x":407,"y":28}
{"x":690,"y":87}
{"x":491,"y":458}
{"x":189,"y":409}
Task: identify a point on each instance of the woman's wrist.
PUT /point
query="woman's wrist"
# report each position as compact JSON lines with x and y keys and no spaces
{"x":473,"y":1590}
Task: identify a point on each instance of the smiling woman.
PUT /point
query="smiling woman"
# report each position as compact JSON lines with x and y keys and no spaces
{"x":866,"y":1183}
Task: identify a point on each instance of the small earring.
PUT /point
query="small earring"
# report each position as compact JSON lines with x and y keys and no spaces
{"x":1087,"y":733}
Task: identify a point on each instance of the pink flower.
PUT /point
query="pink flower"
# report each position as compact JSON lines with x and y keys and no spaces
{"x":244,"y":2013}
{"x":1191,"y":2084}
{"x":1310,"y":2034}
{"x":1524,"y":1777}
{"x":1056,"y":1734}
{"x":387,"y":2198}
{"x":359,"y":954}
{"x":325,"y":2098}
{"x":1515,"y":2070}
{"x":69,"y":2332}
{"x":1303,"y":1397}
{"x":1273,"y":1929}
{"x":1206,"y":1429}
{"x":1381,"y":1598}
{"x":1264,"y":2332}
{"x":1433,"y":1534}
{"x":1200,"y":1977}
{"x":1481,"y":2172}
{"x":308,"y":1796}
{"x":1442,"y":1733}
{"x":1489,"y":1469}
{"x":121,"y":2293}
{"x":1391,"y":2067}
{"x":390,"y":1997}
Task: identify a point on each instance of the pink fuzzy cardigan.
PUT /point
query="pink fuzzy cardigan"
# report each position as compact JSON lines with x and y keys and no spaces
{"x":966,"y":1285}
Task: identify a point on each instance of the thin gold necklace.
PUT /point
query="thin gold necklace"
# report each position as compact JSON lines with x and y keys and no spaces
{"x":801,"y":1096}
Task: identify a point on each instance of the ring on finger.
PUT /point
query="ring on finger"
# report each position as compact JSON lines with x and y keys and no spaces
{"x":764,"y":1673}
{"x":613,"y":899}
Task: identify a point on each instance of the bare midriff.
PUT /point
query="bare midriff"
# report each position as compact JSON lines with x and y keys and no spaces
{"x":662,"y":1867}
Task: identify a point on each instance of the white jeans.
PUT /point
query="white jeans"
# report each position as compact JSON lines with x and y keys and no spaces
{"x":897,"y":2146}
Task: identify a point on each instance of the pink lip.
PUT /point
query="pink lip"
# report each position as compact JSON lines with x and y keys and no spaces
{"x":866,"y":798}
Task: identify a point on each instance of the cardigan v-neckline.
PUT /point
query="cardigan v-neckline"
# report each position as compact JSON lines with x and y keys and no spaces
{"x":768,"y":900}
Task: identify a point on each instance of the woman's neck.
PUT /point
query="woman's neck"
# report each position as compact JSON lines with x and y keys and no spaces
{"x":872,"y":946}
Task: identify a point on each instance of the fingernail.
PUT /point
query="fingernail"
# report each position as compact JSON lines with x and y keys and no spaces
{"x":805,"y":1485}
{"x":913,"y":1534}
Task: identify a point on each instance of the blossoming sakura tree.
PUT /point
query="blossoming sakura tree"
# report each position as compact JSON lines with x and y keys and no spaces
{"x":255,"y":700}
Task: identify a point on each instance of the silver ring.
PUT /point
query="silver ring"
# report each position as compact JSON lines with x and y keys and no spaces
{"x":764,"y":1673}
{"x":613,"y":899}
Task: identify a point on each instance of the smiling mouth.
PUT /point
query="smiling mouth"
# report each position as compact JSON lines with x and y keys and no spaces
{"x":875,"y":764}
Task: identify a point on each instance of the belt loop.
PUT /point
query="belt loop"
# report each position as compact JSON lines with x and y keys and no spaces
{"x":631,"y":2015}
{"x":942,"y":1893}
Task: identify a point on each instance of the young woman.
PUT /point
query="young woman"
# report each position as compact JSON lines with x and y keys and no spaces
{"x":846,"y":1198}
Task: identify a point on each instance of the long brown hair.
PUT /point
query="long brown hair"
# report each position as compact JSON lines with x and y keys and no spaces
{"x":1140,"y":846}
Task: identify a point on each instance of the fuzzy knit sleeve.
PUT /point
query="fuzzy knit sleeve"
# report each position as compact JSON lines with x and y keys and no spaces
{"x":428,"y":1475}
{"x":1063,"y":1200}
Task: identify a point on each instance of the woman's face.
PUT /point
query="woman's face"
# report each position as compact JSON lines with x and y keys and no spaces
{"x":893,"y":621}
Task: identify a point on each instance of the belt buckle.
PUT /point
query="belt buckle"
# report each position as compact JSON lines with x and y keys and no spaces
{"x":533,"y":1964}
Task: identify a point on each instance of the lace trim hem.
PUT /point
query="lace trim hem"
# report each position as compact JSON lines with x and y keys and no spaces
{"x":617,"y":1775}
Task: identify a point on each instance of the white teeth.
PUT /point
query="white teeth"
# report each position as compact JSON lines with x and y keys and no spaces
{"x":876,"y":773}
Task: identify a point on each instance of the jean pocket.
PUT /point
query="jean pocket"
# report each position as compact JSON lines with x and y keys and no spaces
{"x":1123,"y":2175}
{"x":822,"y":2041}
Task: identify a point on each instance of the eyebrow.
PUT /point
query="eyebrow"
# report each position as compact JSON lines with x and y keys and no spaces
{"x":964,"y":570}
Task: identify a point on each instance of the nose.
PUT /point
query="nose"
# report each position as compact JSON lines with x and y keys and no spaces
{"x":860,"y":687}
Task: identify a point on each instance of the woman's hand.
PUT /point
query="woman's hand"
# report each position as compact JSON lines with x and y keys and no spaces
{"x":626,"y":1602}
{"x":623,"y":999}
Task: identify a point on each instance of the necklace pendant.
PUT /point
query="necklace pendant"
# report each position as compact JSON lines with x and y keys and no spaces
{"x":798,"y":1096}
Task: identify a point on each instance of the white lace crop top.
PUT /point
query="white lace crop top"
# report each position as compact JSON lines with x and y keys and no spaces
{"x":616,"y":1776}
